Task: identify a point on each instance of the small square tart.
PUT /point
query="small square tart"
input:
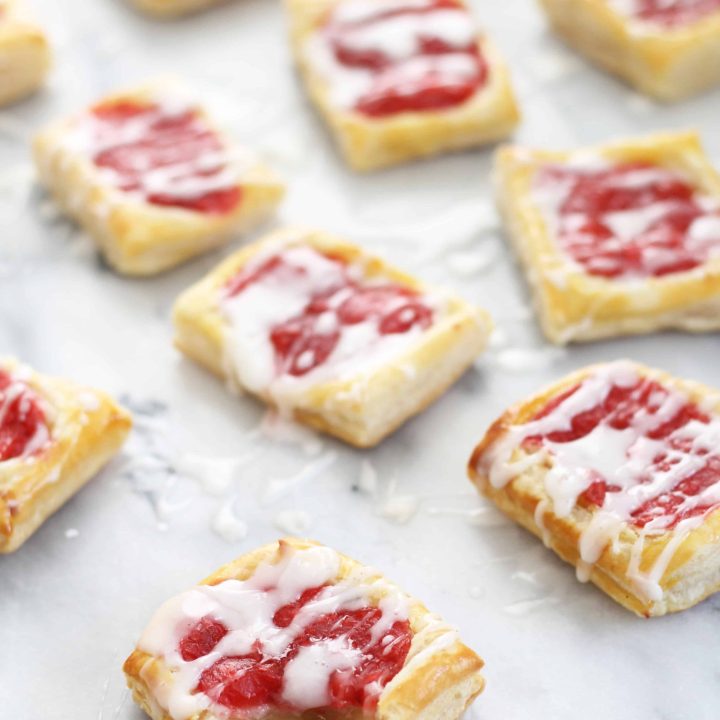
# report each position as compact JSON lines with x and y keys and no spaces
{"x":667,"y":62}
{"x":370,"y":143}
{"x":654,"y":568}
{"x":138,"y":236}
{"x":173,"y":8}
{"x":437,"y":680}
{"x":574,"y":305}
{"x":24,"y":52}
{"x":364,"y":402}
{"x":86,"y":428}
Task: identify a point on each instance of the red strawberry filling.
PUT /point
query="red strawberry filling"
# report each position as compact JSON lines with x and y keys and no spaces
{"x":632,"y":219}
{"x":673,"y":13}
{"x":255,"y":680}
{"x":439,"y":68}
{"x":306,"y":340}
{"x":23,"y":426}
{"x":170,"y":158}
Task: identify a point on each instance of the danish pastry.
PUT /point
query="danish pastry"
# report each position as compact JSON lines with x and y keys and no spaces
{"x":668,"y":49}
{"x":328,"y":334}
{"x":54,"y":436}
{"x":617,"y":468}
{"x":152,"y":180}
{"x":401,"y":79}
{"x":297,"y":630}
{"x":619,"y":239}
{"x":173,"y":8}
{"x":24,"y":53}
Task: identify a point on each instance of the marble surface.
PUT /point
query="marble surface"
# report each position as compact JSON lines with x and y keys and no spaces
{"x":201,"y":481}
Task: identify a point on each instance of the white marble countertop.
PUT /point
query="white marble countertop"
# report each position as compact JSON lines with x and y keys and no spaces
{"x":76,"y":596}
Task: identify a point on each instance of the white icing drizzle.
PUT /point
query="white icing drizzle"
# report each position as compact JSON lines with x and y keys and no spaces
{"x":622,"y":458}
{"x":247,"y":607}
{"x":178,"y":179}
{"x":399,"y":39}
{"x":18,"y":393}
{"x":540,"y":509}
{"x":702,"y":238}
{"x":282,"y":295}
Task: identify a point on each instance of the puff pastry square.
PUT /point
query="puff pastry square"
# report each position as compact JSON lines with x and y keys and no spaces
{"x":54,"y":436}
{"x":617,"y":468}
{"x":328,"y":334}
{"x":619,"y":239}
{"x":24,"y":52}
{"x":173,"y":8}
{"x":151,"y":178}
{"x":297,"y":630}
{"x":401,"y":79}
{"x":668,"y":49}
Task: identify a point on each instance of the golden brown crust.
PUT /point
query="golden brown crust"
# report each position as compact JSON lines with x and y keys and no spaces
{"x":24,"y":54}
{"x":173,"y":8}
{"x":440,"y":679}
{"x":87,"y":428}
{"x":361,"y":411}
{"x":139,"y":238}
{"x":371,"y":144}
{"x":668,"y":65}
{"x":521,"y":496}
{"x":574,"y":306}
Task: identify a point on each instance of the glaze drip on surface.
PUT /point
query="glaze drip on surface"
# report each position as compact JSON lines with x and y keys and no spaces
{"x":289,"y":637}
{"x":631,"y":220}
{"x":394,"y":56}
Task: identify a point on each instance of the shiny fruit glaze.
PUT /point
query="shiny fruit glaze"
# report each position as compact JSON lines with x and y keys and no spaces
{"x":178,"y":149}
{"x":675,"y":13}
{"x":255,"y":680}
{"x":21,"y":417}
{"x":302,"y":343}
{"x":620,"y":410}
{"x":630,"y":220}
{"x":417,"y":81}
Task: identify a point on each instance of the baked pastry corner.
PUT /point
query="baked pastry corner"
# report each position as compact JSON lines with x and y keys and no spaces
{"x":372,"y":138}
{"x":25,"y":55}
{"x":667,"y":61}
{"x":59,"y":435}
